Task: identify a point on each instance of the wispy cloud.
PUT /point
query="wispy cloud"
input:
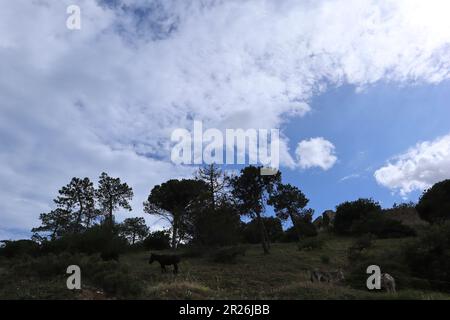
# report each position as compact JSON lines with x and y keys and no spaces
{"x":350,"y":176}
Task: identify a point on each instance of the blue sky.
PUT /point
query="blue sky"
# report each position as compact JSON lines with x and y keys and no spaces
{"x":367,"y":128}
{"x":359,"y":89}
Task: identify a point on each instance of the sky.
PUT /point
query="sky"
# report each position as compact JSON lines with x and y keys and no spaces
{"x":359,"y":90}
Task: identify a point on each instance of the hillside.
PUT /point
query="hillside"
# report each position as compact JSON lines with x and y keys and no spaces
{"x":407,"y":216}
{"x":281,"y":275}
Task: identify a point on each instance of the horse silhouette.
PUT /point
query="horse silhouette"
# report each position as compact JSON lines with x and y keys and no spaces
{"x":165,"y":260}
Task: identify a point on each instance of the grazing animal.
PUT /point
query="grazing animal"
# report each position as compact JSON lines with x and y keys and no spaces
{"x":317,"y":275}
{"x":332,"y":276}
{"x":337,"y":275}
{"x":165,"y":260}
{"x":388,"y":282}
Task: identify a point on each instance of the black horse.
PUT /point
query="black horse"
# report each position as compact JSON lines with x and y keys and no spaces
{"x":166,"y":260}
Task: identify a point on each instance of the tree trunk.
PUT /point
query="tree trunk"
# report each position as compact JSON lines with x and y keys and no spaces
{"x":294,"y":223}
{"x":213,"y":200}
{"x":174,"y":234}
{"x":110,"y":218}
{"x":263,"y":233}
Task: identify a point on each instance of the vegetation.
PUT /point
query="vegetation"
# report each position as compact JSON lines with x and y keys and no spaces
{"x":350,"y":212}
{"x":434,"y":205}
{"x":284,"y":274}
{"x":219,"y":253}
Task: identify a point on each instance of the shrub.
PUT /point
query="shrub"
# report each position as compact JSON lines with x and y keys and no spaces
{"x":290,"y":235}
{"x":111,"y":276}
{"x":363,"y":242}
{"x":273,"y":227}
{"x":195,"y":251}
{"x":97,"y":239}
{"x":310,"y":243}
{"x":306,"y":228}
{"x":378,"y":224}
{"x":349,"y":212}
{"x":118,"y":282}
{"x":16,"y":248}
{"x":218,"y":227}
{"x":45,"y":266}
{"x":391,"y":260}
{"x":429,"y":256}
{"x":434,"y":204}
{"x":157,"y":240}
{"x":229,"y":255}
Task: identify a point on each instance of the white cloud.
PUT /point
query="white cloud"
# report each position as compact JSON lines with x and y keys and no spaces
{"x":107,"y":97}
{"x":350,"y":176}
{"x":316,"y":152}
{"x":418,"y":168}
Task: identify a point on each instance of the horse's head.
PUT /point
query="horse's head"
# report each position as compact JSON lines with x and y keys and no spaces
{"x":152,"y":258}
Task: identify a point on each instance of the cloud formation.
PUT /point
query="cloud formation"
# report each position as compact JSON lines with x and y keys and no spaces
{"x":417,"y":169}
{"x":316,"y":152}
{"x":108,"y":96}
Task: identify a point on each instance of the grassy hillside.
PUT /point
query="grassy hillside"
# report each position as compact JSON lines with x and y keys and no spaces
{"x":281,"y":275}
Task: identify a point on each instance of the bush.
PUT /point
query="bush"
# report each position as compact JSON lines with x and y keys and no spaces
{"x":218,"y":227}
{"x":229,"y":255}
{"x":349,"y":212}
{"x":110,"y":276}
{"x":290,"y":235}
{"x":16,"y":248}
{"x":310,"y":244}
{"x":273,"y":227}
{"x":434,"y":205}
{"x":429,"y":256}
{"x":306,"y":228}
{"x":363,"y":242}
{"x":118,"y":282}
{"x":390,"y":261}
{"x":157,"y":240}
{"x":97,"y":239}
{"x":377,"y":224}
{"x":195,"y":251}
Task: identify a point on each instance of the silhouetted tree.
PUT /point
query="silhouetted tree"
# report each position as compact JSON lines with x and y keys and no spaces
{"x":78,"y":197}
{"x":274,"y":229}
{"x":133,"y":229}
{"x":216,"y":182}
{"x":351,"y":211}
{"x":215,"y":227}
{"x":111,"y":195}
{"x":55,"y":223}
{"x":172,"y":201}
{"x":214,"y":217}
{"x":251,"y":191}
{"x":157,"y":240}
{"x":325,"y":221}
{"x":434,"y":204}
{"x":304,"y":225}
{"x":289,"y":202}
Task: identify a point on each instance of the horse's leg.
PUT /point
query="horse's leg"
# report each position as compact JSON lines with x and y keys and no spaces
{"x":175,"y":268}
{"x":163,"y":268}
